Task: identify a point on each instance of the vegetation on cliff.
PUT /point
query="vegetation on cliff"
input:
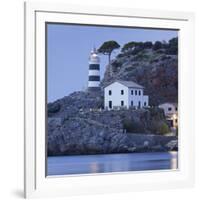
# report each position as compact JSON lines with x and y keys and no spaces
{"x":155,"y":66}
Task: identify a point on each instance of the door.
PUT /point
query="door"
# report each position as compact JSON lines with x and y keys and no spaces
{"x":139,"y":104}
{"x":110,"y":104}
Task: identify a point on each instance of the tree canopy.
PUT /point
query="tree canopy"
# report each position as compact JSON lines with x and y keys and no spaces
{"x":157,"y":45}
{"x":108,"y":47}
{"x":128,"y":46}
{"x":148,"y":44}
{"x":173,"y":46}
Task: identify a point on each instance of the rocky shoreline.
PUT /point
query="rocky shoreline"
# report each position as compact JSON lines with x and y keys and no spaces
{"x":79,"y":136}
{"x":107,"y":143}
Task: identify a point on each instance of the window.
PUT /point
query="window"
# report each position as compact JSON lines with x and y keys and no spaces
{"x":135,"y":92}
{"x":110,"y":104}
{"x":145,"y":103}
{"x":169,"y":108}
{"x":110,"y":92}
{"x":176,"y":120}
{"x":131,"y":103}
{"x":131,"y":92}
{"x":139,"y":92}
{"x":176,"y":108}
{"x":122,"y":103}
{"x":139,"y":104}
{"x":122,"y":92}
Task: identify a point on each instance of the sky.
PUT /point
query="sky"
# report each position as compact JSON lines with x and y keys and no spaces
{"x":68,"y":50}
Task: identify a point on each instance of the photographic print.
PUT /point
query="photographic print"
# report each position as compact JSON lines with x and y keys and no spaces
{"x":111,"y":99}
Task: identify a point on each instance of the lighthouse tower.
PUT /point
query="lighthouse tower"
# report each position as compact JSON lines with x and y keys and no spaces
{"x":94,"y":71}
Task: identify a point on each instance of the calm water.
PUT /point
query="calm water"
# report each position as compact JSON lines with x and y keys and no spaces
{"x":65,"y":165}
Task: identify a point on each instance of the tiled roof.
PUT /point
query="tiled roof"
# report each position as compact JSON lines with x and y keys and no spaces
{"x":130,"y":84}
{"x":172,"y":103}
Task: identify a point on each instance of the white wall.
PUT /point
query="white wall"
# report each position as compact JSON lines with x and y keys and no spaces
{"x":136,"y":98}
{"x":146,"y":99}
{"x":165,"y":107}
{"x":11,"y":101}
{"x":116,"y":96}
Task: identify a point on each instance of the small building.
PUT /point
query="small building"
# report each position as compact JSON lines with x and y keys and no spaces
{"x":124,"y":94}
{"x":171,"y":113}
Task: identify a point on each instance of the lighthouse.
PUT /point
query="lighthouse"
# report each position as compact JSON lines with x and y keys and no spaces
{"x":94,"y":71}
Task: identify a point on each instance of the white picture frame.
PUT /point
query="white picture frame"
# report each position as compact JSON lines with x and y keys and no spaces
{"x":36,"y":184}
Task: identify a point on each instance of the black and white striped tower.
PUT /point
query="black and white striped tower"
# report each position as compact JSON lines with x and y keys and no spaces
{"x":94,"y":71}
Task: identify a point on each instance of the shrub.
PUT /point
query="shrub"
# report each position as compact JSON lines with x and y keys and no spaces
{"x":132,"y":126}
{"x":53,"y":108}
{"x":142,"y":56}
{"x":157,"y":45}
{"x":172,"y":51}
{"x":160,"y":51}
{"x":163,"y":128}
{"x":116,"y":65}
{"x":147,"y":45}
{"x":120,"y":55}
{"x":153,"y":127}
{"x":158,"y":127}
{"x":164,"y":57}
{"x":128,"y":46}
{"x":172,"y":46}
{"x":154,"y":61}
{"x":177,"y":131}
{"x":138,"y":49}
{"x":156,"y":113}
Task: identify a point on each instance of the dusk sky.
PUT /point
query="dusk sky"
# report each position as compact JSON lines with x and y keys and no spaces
{"x":69,"y":47}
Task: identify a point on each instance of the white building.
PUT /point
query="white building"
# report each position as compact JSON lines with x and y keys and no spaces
{"x":171,"y":112}
{"x":124,"y":94}
{"x":94,"y":71}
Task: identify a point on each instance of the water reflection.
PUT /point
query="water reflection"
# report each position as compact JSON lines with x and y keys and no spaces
{"x":96,"y":167}
{"x":64,"y":165}
{"x":174,"y":160}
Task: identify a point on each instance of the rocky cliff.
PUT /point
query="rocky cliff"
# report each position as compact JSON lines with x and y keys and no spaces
{"x":71,"y":105}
